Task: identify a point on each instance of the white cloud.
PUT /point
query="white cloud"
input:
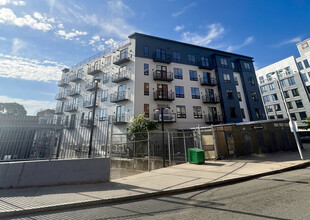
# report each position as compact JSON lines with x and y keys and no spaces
{"x":6,"y":2}
{"x":110,"y":42}
{"x":70,"y":35}
{"x":31,"y":106}
{"x":237,"y":47}
{"x":17,"y":45}
{"x":179,"y":27}
{"x":291,"y":41}
{"x":214,"y":31}
{"x":176,"y":14}
{"x":29,"y":69}
{"x":94,"y":39}
{"x":22,"y":3}
{"x":2,"y":38}
{"x":60,"y":26}
{"x":7,"y":16}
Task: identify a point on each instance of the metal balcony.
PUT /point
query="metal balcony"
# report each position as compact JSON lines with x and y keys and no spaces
{"x":122,"y":118}
{"x":120,"y":96}
{"x":213,"y":119}
{"x":208,"y":82}
{"x":88,"y":103}
{"x":63,"y":82}
{"x":71,"y":108}
{"x":163,"y":75}
{"x":121,"y":59}
{"x":94,"y":70}
{"x":76,"y":77}
{"x":90,"y":86}
{"x":73,"y":92}
{"x":60,"y":96}
{"x":59,"y":111}
{"x":204,"y":65}
{"x":86,"y":123}
{"x":168,"y":117}
{"x":164,"y":96}
{"x":120,"y":77}
{"x":162,"y":58}
{"x":209,"y":99}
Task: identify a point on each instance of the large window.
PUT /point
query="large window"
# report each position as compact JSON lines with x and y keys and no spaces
{"x":204,"y":61}
{"x":282,"y":82}
{"x":146,"y":69}
{"x":304,"y":77}
{"x":103,"y":114}
{"x":254,"y":96}
{"x":306,"y":63}
{"x":178,"y":74}
{"x":147,"y":110}
{"x":299,"y":104}
{"x":263,"y":89}
{"x":277,"y":107}
{"x":247,"y":66}
{"x":146,"y":51}
{"x":193,"y":75}
{"x":233,"y":112}
{"x":146,"y":89}
{"x":239,"y":96}
{"x":179,"y":91}
{"x":226,"y":77}
{"x":274,"y":97}
{"x":261,"y":79}
{"x":295,"y":92}
{"x":223,"y":62}
{"x":289,"y":105}
{"x":271,"y":86}
{"x":269,"y":108}
{"x":266,"y":98}
{"x":251,"y":81}
{"x":302,"y":115}
{"x":197,"y":111}
{"x":195,"y":93}
{"x":300,"y":67}
{"x":229,"y":94}
{"x":259,"y":113}
{"x":286,"y":94}
{"x":176,"y":57}
{"x":291,"y":81}
{"x":293,"y":116}
{"x":191,"y":59}
{"x":181,"y":111}
{"x":104,"y":95}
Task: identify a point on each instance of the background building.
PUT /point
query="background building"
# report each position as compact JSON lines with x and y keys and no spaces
{"x":293,"y":75}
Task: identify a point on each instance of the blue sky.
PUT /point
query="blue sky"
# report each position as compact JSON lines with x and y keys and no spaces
{"x":38,"y":38}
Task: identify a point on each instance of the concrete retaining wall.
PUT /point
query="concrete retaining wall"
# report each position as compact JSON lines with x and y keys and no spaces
{"x":55,"y":172}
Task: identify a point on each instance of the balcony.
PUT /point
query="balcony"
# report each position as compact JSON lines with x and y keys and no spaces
{"x":94,"y":70}
{"x":71,"y":107}
{"x":73,"y":91}
{"x":208,"y":82}
{"x":168,"y":117}
{"x":162,"y":58}
{"x":86,"y":123}
{"x":90,"y":86}
{"x":60,"y":96}
{"x":76,"y":77}
{"x":213,"y":119}
{"x":120,"y":77}
{"x":122,"y":58}
{"x":105,"y":80}
{"x":163,"y":75}
{"x":88,"y":103}
{"x":204,"y":65}
{"x":209,"y":99}
{"x":120,"y":96}
{"x":122,"y":118}
{"x":63,"y":82}
{"x":164,"y":96}
{"x":59,"y":111}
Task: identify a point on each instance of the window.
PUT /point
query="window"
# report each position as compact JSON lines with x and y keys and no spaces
{"x":271,"y":87}
{"x":280,"y":116}
{"x":289,"y":105}
{"x":103,"y":114}
{"x":261,"y":79}
{"x":271,"y":117}
{"x":308,"y":88}
{"x":176,"y":57}
{"x":293,"y":116}
{"x":302,"y":115}
{"x":295,"y":92}
{"x":204,"y":61}
{"x":104,"y":95}
{"x":286,"y":94}
{"x":72,"y":121}
{"x":282,"y":83}
{"x":274,"y":97}
{"x":291,"y":81}
{"x":179,"y":91}
{"x":263,"y":89}
{"x":299,"y":104}
{"x":229,"y":94}
{"x":280,"y":73}
{"x":146,"y":89}
{"x":300,"y":67}
{"x":269,"y":108}
{"x":193,"y":75}
{"x":233,"y":65}
{"x":254,"y":96}
{"x":247,"y":66}
{"x":105,"y":78}
{"x":146,"y":51}
{"x":259,"y":113}
{"x":181,"y":111}
{"x":251,"y":81}
{"x":195,"y":93}
{"x":266,"y":98}
{"x":304,"y":45}
{"x":197,"y":112}
{"x":146,"y":110}
{"x":178,"y":74}
{"x":146,"y":69}
{"x":108,"y":61}
{"x":242,"y":113}
{"x":226,"y":77}
{"x":191,"y":59}
{"x":306,"y":64}
{"x":277,"y":107}
{"x":239,"y":96}
{"x":160,"y":54}
{"x":288,"y":71}
{"x":223,"y":62}
{"x":269,"y":77}
{"x":233,"y":112}
{"x":236,"y":80}
{"x":304,"y":77}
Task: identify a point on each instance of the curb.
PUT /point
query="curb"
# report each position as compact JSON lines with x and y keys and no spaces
{"x":146,"y":195}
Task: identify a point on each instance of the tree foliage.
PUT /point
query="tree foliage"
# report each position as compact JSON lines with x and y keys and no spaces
{"x":45,"y":112}
{"x":142,"y":124}
{"x":13,"y":109}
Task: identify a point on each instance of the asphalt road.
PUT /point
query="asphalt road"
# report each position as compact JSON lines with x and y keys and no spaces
{"x":281,"y":196}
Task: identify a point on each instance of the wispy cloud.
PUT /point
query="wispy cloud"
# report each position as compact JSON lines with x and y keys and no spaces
{"x":178,"y":13}
{"x":237,"y":47}
{"x":70,"y":35}
{"x":214,"y":31}
{"x":6,"y":2}
{"x":179,"y":27}
{"x":17,"y":45}
{"x":291,"y":41}
{"x":31,"y":106}
{"x":29,"y":69}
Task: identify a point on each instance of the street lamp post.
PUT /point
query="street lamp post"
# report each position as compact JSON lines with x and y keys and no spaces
{"x":96,"y":81}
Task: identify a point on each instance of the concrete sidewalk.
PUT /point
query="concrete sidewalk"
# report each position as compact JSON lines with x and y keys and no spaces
{"x":169,"y":180}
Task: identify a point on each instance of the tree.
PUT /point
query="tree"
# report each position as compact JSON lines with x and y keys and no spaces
{"x":45,"y":112}
{"x":13,"y":109}
{"x":141,"y":124}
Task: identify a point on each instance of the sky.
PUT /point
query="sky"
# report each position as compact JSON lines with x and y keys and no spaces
{"x":38,"y":38}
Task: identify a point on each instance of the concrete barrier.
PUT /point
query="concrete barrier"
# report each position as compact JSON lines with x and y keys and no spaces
{"x":55,"y":172}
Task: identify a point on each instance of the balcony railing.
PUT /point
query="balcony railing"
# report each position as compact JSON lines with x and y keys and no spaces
{"x":213,"y":119}
{"x":88,"y":103}
{"x":120,"y":77}
{"x":76,"y":77}
{"x":122,"y":58}
{"x":168,"y":117}
{"x":86,"y":123}
{"x":208,"y":82}
{"x":210,"y":99}
{"x":71,"y":107}
{"x":164,"y":96}
{"x":204,"y":65}
{"x":94,"y":70}
{"x":120,"y":96}
{"x":105,"y":80}
{"x":59,"y":110}
{"x":90,"y":86}
{"x":163,"y":75}
{"x":122,"y":118}
{"x":162,"y":58}
{"x":63,"y":82}
{"x":73,"y":91}
{"x":60,"y":96}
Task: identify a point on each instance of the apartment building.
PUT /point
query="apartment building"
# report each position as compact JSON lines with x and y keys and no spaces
{"x":195,"y":85}
{"x":293,"y":75}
